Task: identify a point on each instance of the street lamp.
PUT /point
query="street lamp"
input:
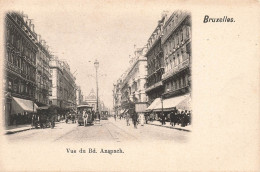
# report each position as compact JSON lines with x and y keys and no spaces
{"x":96,"y":64}
{"x":162,"y":103}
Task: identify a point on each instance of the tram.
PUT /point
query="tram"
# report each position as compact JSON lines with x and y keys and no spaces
{"x":89,"y":111}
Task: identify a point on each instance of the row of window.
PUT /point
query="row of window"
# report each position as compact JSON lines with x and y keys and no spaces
{"x":26,"y":68}
{"x":175,"y":60}
{"x":176,"y":17}
{"x":177,"y":83}
{"x":154,"y":79}
{"x":154,"y":64}
{"x":176,"y":40}
{"x":21,"y":88}
{"x":20,"y":44}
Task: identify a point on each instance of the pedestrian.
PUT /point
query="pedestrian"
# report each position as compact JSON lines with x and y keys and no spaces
{"x":178,"y":117}
{"x":73,"y":118}
{"x":127,"y":119}
{"x":189,"y":118}
{"x":182,"y":119}
{"x":115,"y":116}
{"x":172,"y":118}
{"x":85,"y":117}
{"x":141,"y":119}
{"x":33,"y":120}
{"x":163,"y":118}
{"x":134,"y":118}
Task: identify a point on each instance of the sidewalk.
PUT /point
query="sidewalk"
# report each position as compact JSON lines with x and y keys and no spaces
{"x":167,"y":125}
{"x":19,"y":128}
{"x":158,"y":123}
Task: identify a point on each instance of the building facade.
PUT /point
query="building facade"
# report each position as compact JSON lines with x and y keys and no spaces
{"x":20,"y":68}
{"x":155,"y":62}
{"x":63,"y":87}
{"x":117,"y":96}
{"x":91,"y":99}
{"x":42,"y":73}
{"x":176,"y":44}
{"x":79,"y":96}
{"x":134,"y":81}
{"x":69,"y":87}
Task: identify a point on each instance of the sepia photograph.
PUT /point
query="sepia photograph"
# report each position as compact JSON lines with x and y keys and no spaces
{"x":129,"y":85}
{"x":52,"y":96}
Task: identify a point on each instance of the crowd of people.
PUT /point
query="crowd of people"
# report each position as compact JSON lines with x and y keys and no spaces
{"x":175,"y":117}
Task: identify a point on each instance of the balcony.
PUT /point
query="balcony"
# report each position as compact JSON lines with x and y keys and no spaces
{"x":176,"y":92}
{"x":156,"y":85}
{"x":46,"y":72}
{"x":176,"y":69}
{"x":13,"y":68}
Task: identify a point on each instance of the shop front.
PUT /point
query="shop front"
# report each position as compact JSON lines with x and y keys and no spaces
{"x":21,"y":111}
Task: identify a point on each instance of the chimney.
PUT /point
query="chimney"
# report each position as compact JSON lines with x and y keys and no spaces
{"x":30,"y":23}
{"x":33,"y":27}
{"x":39,"y":38}
{"x":165,"y":13}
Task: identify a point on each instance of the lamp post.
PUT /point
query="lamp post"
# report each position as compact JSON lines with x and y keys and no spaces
{"x":162,"y":103}
{"x":96,"y":64}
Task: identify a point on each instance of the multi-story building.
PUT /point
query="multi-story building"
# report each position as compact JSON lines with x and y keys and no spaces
{"x":56,"y":90}
{"x":155,"y":62}
{"x":20,"y":68}
{"x":134,"y":80}
{"x":69,"y":87}
{"x":176,"y":44}
{"x":42,"y":73}
{"x":117,"y":96}
{"x":91,"y":99}
{"x":79,"y":95}
{"x":63,"y":90}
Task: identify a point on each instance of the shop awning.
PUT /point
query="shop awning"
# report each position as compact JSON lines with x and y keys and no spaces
{"x":155,"y":103}
{"x":169,"y":104}
{"x":185,"y":104}
{"x":22,"y":105}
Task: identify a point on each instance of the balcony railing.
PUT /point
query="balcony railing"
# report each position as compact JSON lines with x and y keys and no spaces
{"x":14,"y":68}
{"x":176,"y":69}
{"x":154,"y":86}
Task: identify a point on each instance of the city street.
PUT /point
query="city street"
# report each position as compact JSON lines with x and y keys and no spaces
{"x":107,"y":130}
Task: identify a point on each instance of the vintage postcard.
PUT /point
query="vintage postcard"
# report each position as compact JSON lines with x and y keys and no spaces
{"x":129,"y":86}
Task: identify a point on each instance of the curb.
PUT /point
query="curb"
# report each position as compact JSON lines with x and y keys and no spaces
{"x":12,"y":132}
{"x":171,"y":127}
{"x":17,"y":131}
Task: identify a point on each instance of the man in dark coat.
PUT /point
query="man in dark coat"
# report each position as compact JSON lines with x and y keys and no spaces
{"x":163,"y":118}
{"x":172,"y":117}
{"x":182,"y":119}
{"x":134,"y":118}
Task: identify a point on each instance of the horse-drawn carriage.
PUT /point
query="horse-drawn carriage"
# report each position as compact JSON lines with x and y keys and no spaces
{"x":45,"y":117}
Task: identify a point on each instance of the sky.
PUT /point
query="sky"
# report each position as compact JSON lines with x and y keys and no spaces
{"x":83,"y":31}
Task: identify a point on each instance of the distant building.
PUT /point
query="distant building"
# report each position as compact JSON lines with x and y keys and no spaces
{"x":20,"y":68}
{"x":91,"y":99}
{"x":79,"y":96}
{"x":133,"y":81}
{"x":42,"y":73}
{"x":117,"y":97}
{"x":63,"y":90}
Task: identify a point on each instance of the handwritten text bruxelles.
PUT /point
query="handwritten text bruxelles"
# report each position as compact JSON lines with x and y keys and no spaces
{"x":94,"y":151}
